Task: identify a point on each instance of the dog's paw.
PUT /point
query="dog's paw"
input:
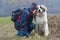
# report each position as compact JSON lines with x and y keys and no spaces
{"x":46,"y":33}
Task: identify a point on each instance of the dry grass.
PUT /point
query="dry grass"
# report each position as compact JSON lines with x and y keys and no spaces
{"x":7,"y":31}
{"x":54,"y":26}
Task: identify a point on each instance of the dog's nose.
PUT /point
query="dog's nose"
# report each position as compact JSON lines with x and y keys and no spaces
{"x":39,"y":11}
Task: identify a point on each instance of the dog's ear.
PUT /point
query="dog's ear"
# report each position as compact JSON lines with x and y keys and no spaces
{"x":44,"y":8}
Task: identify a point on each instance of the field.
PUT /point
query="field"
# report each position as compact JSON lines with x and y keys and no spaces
{"x":54,"y":26}
{"x":7,"y":31}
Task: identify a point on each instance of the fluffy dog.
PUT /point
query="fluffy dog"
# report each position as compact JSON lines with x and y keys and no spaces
{"x":41,"y":20}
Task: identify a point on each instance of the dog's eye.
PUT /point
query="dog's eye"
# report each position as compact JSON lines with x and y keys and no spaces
{"x":40,"y":7}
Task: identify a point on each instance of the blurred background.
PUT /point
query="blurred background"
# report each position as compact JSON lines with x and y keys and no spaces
{"x":6,"y":6}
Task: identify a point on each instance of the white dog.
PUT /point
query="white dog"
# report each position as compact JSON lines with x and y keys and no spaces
{"x":41,"y":20}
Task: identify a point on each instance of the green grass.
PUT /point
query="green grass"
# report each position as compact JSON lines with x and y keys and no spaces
{"x":5,"y":20}
{"x":8,"y":32}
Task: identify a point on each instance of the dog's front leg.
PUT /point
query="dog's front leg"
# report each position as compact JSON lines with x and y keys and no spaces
{"x":46,"y":29}
{"x":36,"y":29}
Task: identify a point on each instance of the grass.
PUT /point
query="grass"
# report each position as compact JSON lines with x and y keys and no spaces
{"x":5,"y":20}
{"x":7,"y":31}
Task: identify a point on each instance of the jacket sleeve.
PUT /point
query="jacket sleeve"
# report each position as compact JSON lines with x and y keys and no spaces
{"x":23,"y":20}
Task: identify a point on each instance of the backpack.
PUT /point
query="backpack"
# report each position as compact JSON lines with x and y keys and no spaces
{"x":15,"y":14}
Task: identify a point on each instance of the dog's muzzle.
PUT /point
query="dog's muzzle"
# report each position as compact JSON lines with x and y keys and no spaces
{"x":39,"y":11}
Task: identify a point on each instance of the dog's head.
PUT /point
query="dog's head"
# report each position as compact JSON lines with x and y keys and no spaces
{"x":41,"y":9}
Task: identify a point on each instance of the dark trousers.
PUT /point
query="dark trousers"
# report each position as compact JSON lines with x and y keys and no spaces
{"x":26,"y":30}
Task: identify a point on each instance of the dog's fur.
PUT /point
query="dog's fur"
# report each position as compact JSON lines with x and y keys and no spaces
{"x":41,"y":20}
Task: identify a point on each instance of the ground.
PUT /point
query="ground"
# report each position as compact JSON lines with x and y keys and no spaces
{"x":54,"y":26}
{"x":7,"y":31}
